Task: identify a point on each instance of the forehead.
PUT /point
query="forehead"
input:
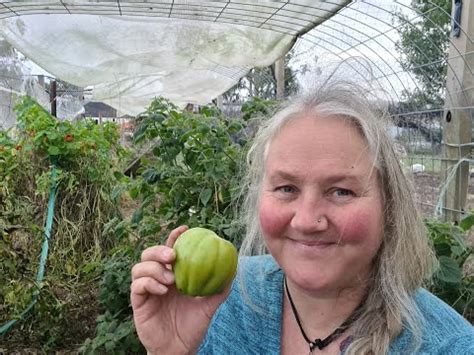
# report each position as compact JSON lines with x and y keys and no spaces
{"x":316,"y":136}
{"x":318,"y":148}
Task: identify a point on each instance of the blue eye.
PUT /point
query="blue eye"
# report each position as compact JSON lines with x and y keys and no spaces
{"x":343,"y":192}
{"x":286,"y":189}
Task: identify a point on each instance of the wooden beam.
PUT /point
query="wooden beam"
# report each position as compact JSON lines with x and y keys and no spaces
{"x":220,"y":102}
{"x":457,"y":126}
{"x":53,"y":97}
{"x":280,"y":77}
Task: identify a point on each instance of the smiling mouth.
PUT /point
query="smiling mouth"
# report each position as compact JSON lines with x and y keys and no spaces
{"x":313,"y":243}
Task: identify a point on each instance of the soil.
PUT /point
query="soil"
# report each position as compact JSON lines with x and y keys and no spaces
{"x":80,"y":320}
{"x":427,"y":187}
{"x":427,"y":191}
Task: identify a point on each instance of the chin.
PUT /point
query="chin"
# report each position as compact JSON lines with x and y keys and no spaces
{"x":310,"y":281}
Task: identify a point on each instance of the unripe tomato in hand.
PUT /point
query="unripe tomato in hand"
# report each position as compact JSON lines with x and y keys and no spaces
{"x":205,"y":263}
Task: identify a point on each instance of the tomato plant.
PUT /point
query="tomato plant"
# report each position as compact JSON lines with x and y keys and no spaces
{"x":192,"y":173}
{"x":450,"y":282}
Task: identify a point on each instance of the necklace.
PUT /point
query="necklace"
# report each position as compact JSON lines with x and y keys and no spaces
{"x":322,"y":343}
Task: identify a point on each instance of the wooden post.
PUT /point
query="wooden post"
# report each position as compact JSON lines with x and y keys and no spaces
{"x":52,"y":97}
{"x":280,"y":77}
{"x":41,"y":80}
{"x":220,"y":102}
{"x":250,"y":79}
{"x":457,"y":130}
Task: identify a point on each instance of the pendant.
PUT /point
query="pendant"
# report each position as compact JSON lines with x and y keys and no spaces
{"x":317,"y":343}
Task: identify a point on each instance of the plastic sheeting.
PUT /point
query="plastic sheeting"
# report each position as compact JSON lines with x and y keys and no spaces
{"x":190,"y":54}
{"x":15,"y":81}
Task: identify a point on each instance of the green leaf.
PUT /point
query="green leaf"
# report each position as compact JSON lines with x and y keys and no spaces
{"x":139,"y":133}
{"x":467,"y":222}
{"x":151,"y":176}
{"x":118,"y":175}
{"x":449,"y":271}
{"x":122,"y":332}
{"x":458,"y":236}
{"x":442,"y":248}
{"x":158,"y":117}
{"x":90,"y":267}
{"x":52,"y":135}
{"x":137,"y":216}
{"x":205,"y":196}
{"x":134,"y":191}
{"x":120,"y":229}
{"x":117,"y":192}
{"x":148,"y":201}
{"x":53,"y":150}
{"x":457,"y":250}
{"x":149,"y":228}
{"x":109,"y":345}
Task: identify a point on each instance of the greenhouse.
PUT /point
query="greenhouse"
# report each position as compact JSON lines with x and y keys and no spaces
{"x":123,"y":120}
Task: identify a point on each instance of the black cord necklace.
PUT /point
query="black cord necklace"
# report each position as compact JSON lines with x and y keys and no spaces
{"x":322,"y":343}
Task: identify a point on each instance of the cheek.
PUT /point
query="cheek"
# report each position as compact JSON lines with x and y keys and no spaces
{"x":362,"y":226}
{"x":272,"y":219}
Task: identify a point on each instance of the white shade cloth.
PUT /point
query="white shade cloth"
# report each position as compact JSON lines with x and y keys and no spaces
{"x":131,"y":52}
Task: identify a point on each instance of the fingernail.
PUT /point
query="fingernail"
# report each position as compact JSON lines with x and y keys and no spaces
{"x":162,"y":289}
{"x":169,"y":276}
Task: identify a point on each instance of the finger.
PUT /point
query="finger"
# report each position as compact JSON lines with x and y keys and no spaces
{"x":211,"y":303}
{"x":147,"y":285}
{"x":159,"y":253}
{"x":154,"y":270}
{"x":141,"y":289}
{"x":175,"y":233}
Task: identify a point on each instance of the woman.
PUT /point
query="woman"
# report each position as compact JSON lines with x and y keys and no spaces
{"x":344,"y":251}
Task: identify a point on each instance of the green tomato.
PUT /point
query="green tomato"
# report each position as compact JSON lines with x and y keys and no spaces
{"x":205,"y":263}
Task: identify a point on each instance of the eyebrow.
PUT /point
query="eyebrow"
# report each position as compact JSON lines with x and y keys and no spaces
{"x":284,"y":175}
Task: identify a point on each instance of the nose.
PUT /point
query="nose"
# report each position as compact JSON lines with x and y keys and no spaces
{"x":310,"y":217}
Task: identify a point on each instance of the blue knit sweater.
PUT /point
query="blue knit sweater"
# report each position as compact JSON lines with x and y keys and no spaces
{"x":250,"y":322}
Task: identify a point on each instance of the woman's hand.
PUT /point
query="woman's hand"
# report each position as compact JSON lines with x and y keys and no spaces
{"x":166,"y":321}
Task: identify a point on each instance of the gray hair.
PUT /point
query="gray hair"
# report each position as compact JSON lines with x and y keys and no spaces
{"x":405,"y":257}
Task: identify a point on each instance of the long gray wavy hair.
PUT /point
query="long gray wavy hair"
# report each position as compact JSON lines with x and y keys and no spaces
{"x":405,"y":258}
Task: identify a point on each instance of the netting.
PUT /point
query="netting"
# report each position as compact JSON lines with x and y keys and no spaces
{"x":17,"y":79}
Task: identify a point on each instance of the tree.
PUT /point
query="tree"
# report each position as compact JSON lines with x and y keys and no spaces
{"x":261,"y":83}
{"x":423,"y":45}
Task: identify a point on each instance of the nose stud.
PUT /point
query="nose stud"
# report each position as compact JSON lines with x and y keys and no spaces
{"x":319,"y":220}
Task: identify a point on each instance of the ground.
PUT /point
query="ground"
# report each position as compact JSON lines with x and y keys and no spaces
{"x":427,"y":191}
{"x":81,"y":326}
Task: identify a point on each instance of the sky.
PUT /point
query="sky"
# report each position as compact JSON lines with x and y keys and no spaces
{"x":365,"y":29}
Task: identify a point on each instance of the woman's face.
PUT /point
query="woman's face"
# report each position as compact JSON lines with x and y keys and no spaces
{"x":320,"y":207}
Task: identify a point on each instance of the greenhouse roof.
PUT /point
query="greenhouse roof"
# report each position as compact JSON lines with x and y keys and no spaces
{"x":132,"y":51}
